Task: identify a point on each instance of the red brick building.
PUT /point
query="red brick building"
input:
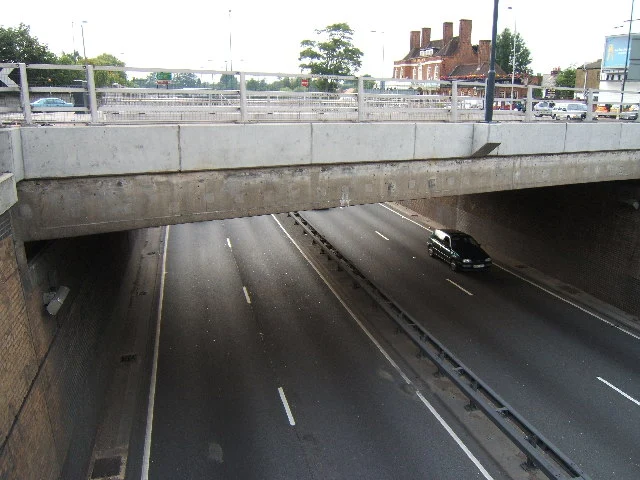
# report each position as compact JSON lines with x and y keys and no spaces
{"x":450,"y":58}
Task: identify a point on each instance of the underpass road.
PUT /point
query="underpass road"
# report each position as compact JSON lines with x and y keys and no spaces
{"x":573,"y":376}
{"x":262,"y":373}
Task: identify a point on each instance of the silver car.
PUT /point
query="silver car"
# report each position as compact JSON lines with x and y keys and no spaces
{"x":543,"y":108}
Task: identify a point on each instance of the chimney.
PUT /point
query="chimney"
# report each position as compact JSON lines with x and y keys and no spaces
{"x":484,"y":51}
{"x":447,"y":32}
{"x":465,"y":32}
{"x":414,"y":40}
{"x":426,"y":37}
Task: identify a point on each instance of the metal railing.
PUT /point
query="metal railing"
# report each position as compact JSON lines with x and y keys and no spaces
{"x":539,"y":451}
{"x":130,"y":95}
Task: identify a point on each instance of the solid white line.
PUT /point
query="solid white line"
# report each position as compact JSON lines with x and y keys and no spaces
{"x":246,"y":294}
{"x":619,"y":391}
{"x":602,"y":319}
{"x":382,"y":235}
{"x":154,"y":370}
{"x":229,"y":243}
{"x":406,"y":218}
{"x":465,"y":291}
{"x":292,"y":422}
{"x":389,"y":359}
{"x":464,"y":448}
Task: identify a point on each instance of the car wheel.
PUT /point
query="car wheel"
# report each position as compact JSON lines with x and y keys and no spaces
{"x":430,"y":250}
{"x":454,"y":267}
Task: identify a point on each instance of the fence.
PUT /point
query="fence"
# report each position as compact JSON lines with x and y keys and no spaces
{"x":128,"y":95}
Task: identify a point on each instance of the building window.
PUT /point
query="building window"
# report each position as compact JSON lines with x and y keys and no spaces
{"x":436,"y":72}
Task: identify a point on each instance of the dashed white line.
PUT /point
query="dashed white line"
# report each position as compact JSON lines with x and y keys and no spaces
{"x":629,"y":397}
{"x":246,"y":294}
{"x":382,"y":235}
{"x":449,"y":430}
{"x":464,"y":290}
{"x":283,"y":397}
{"x":229,"y":243}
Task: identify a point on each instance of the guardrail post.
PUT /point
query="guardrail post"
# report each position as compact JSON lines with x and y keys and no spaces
{"x":589,"y":105}
{"x":361,"y":112}
{"x":528,"y":114}
{"x":24,"y":93}
{"x":454,"y":102}
{"x":243,"y":98}
{"x":93,"y":101}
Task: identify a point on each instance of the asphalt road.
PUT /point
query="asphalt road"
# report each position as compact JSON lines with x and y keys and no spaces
{"x":263,"y":374}
{"x":570,"y":374}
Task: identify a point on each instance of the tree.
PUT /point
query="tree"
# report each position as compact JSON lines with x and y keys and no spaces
{"x":105,"y":78}
{"x":334,"y":55}
{"x":504,"y":53}
{"x":18,"y":46}
{"x":566,"y":78}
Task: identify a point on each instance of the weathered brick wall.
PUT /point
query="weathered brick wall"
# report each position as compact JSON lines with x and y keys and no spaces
{"x":53,"y":370}
{"x":585,"y":235}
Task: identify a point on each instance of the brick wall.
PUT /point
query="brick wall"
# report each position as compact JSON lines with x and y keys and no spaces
{"x":585,"y":235}
{"x":54,"y":370}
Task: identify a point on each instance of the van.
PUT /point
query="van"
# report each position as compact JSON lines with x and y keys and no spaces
{"x":569,"y":111}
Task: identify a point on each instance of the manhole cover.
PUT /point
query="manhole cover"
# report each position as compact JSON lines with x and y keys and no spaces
{"x":106,"y":467}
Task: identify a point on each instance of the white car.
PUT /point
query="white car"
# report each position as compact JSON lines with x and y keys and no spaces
{"x":542,"y":108}
{"x":569,"y":111}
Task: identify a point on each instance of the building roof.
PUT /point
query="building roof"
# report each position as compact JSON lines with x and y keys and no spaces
{"x":471,"y":71}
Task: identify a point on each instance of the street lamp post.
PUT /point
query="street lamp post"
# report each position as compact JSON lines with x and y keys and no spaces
{"x":626,"y":63}
{"x":230,"y":51}
{"x":84,"y":50}
{"x":382,"y":69}
{"x":491,"y":77}
{"x":513,"y":57}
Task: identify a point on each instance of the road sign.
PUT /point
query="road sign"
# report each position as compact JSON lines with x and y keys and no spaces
{"x":305,"y":82}
{"x":165,"y":76}
{"x":5,"y":81}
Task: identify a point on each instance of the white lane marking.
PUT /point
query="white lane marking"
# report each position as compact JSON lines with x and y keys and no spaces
{"x":283,"y":397}
{"x":534,"y":284}
{"x":229,"y":243}
{"x":619,"y":391}
{"x":460,"y":443}
{"x":154,"y":370}
{"x":390,"y":360}
{"x":382,"y":235}
{"x":602,"y":319}
{"x":454,"y":283}
{"x":406,"y":218}
{"x":246,"y":294}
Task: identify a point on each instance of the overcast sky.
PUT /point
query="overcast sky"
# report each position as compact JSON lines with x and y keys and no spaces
{"x":265,"y":35}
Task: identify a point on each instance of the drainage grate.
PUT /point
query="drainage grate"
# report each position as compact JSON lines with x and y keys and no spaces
{"x":106,"y":467}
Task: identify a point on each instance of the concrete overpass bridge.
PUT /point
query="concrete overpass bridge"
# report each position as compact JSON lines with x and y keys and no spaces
{"x":79,"y":180}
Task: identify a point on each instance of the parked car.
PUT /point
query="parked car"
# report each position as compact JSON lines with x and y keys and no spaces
{"x":542,"y":108}
{"x":630,"y":114}
{"x":458,"y":249}
{"x":51,"y":104}
{"x":569,"y":111}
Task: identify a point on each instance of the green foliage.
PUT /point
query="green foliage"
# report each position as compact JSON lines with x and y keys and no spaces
{"x":186,"y":80}
{"x":566,"y":78}
{"x":504,"y":53}
{"x":18,"y":46}
{"x":334,"y":54}
{"x":104,"y":78}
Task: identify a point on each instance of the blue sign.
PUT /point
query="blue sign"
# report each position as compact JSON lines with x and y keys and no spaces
{"x":615,"y":52}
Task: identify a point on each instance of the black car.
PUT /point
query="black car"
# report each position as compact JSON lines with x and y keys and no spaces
{"x":458,"y":249}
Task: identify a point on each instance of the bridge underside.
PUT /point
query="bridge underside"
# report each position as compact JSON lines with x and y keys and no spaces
{"x":57,"y":208}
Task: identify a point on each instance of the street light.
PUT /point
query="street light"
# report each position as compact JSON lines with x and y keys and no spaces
{"x":626,"y":63}
{"x":84,"y":50}
{"x":230,"y":51}
{"x":491,"y":77}
{"x":381,"y":33}
{"x":513,"y":61}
